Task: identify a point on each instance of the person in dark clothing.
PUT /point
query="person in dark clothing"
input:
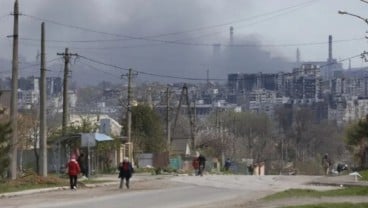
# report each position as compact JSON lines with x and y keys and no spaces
{"x":341,"y":167}
{"x":82,"y":165}
{"x":227,"y":164}
{"x":125,"y":172}
{"x":326,"y":164}
{"x":73,"y":171}
{"x":202,"y":164}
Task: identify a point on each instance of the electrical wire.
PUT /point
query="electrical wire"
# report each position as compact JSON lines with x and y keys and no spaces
{"x":98,"y":70}
{"x":150,"y":38}
{"x":225,"y":45}
{"x":191,"y":78}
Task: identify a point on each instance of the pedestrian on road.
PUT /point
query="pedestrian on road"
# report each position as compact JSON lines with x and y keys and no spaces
{"x":125,"y":172}
{"x":195,"y":164}
{"x":326,"y":164}
{"x":73,"y":171}
{"x":82,"y":164}
{"x":202,"y":164}
{"x":227,"y":164}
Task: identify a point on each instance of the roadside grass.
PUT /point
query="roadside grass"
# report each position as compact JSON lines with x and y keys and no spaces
{"x":349,"y":191}
{"x":30,"y":180}
{"x":364,"y":175}
{"x":332,"y":205}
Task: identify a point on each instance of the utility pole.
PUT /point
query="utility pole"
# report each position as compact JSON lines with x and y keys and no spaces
{"x":184,"y":95}
{"x":14,"y":96}
{"x":167,"y":118}
{"x":129,"y":114}
{"x":43,"y":100}
{"x":66,"y":57}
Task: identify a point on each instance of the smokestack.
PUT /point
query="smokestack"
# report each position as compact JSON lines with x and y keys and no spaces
{"x":231,"y":34}
{"x":297,"y":57}
{"x":330,"y":49}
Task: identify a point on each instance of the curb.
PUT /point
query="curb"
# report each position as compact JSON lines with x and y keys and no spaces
{"x":32,"y":191}
{"x":343,"y":184}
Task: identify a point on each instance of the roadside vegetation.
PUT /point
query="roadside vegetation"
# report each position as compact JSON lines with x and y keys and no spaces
{"x":30,"y":180}
{"x":333,"y":205}
{"x":364,"y":175}
{"x":292,"y":193}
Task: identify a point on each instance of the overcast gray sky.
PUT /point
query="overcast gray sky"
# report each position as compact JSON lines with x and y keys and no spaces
{"x":175,"y":37}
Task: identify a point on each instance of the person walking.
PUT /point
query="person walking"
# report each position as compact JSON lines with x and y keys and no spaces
{"x":82,"y":165}
{"x":73,"y":171}
{"x":125,"y":172}
{"x":195,"y":164}
{"x":202,"y":164}
{"x":227,"y":164}
{"x":326,"y":164}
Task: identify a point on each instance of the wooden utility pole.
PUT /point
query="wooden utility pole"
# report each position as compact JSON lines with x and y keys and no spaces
{"x":43,"y":101}
{"x":14,"y":97}
{"x":66,"y":57}
{"x":129,"y":113}
{"x":167,"y":117}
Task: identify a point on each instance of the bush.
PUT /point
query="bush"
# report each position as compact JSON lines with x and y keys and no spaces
{"x":364,"y":174}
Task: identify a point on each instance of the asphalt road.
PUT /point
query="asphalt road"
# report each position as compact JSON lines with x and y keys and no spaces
{"x":183,"y":196}
{"x":173,"y":192}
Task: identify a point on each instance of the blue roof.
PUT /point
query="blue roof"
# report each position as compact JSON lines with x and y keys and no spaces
{"x":102,"y":137}
{"x":90,"y":139}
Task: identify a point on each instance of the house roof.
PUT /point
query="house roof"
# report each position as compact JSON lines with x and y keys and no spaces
{"x":102,"y":137}
{"x":90,"y":139}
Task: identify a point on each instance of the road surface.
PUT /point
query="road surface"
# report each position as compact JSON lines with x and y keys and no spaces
{"x":174,"y":192}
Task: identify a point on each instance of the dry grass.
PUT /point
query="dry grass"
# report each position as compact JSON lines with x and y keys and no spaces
{"x":31,"y":180}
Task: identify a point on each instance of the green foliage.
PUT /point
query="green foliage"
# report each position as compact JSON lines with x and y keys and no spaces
{"x":350,"y":191}
{"x":103,"y":150}
{"x":364,"y":175}
{"x":332,"y":205}
{"x":357,"y":137}
{"x":147,"y":131}
{"x":85,"y":126}
{"x":357,"y":132}
{"x":5,"y":131}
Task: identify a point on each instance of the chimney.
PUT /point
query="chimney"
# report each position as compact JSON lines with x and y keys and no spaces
{"x":330,"y":49}
{"x":297,"y":57}
{"x":231,"y":34}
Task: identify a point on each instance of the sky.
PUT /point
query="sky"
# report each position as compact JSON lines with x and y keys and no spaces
{"x":172,"y":40}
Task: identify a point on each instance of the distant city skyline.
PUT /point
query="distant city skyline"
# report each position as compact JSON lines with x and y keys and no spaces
{"x":175,"y":37}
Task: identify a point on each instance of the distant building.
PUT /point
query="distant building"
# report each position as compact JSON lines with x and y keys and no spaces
{"x":5,"y":99}
{"x":356,"y":108}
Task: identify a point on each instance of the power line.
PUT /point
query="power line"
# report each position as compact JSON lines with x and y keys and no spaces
{"x":191,"y":78}
{"x":211,"y":45}
{"x":236,"y":21}
{"x":247,"y":25}
{"x":150,"y":38}
{"x":99,"y":70}
{"x":34,"y":65}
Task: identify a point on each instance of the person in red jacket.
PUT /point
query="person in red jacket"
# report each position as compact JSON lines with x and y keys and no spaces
{"x":73,"y":171}
{"x":195,"y":164}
